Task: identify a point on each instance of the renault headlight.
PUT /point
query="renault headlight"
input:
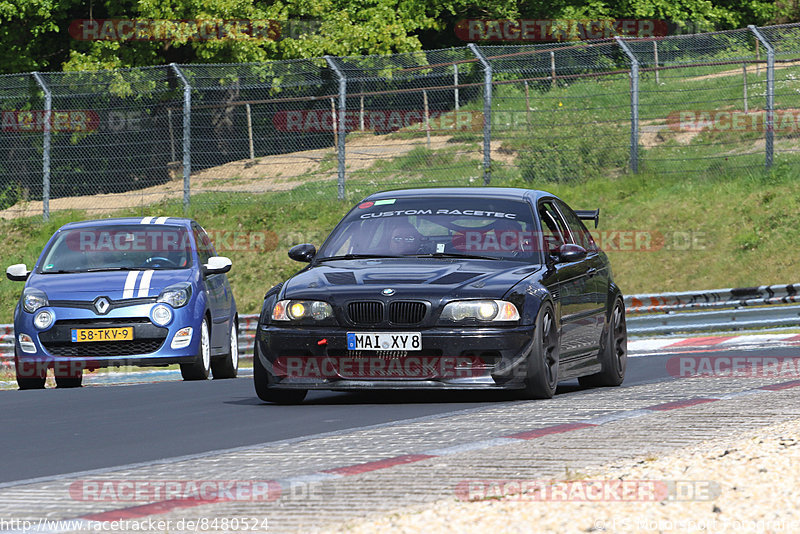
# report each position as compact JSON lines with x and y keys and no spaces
{"x":480,"y":310}
{"x":176,"y":295}
{"x":33,"y":299}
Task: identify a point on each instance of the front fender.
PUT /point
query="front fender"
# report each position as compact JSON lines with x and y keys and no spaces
{"x":528,"y":297}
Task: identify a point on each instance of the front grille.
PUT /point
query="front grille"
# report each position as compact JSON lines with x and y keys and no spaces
{"x":105,"y":322}
{"x":112,"y":348}
{"x":406,"y":312}
{"x":365,"y":312}
{"x":113,"y":304}
{"x":147,"y":338}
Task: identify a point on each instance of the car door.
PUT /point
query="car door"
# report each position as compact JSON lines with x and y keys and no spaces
{"x":567,"y":282}
{"x":595,"y":287}
{"x":217,"y":291}
{"x":560,"y":278}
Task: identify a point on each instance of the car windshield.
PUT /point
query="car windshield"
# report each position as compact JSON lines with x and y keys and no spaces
{"x":118,"y":247}
{"x":434,"y":226}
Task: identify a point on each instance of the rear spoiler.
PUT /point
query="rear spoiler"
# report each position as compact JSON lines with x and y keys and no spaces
{"x":589,"y":215}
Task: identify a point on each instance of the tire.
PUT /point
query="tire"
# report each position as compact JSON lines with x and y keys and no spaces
{"x":541,"y":377}
{"x":262,"y":379}
{"x":613,"y":354}
{"x":69,"y":381}
{"x":200,"y":369}
{"x":25,"y":371}
{"x":228,"y":365}
{"x":68,"y":374}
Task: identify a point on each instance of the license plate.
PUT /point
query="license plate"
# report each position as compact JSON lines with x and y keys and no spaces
{"x":384,"y":341}
{"x":80,"y":335}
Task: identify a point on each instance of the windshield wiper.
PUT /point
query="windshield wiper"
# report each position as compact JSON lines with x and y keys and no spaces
{"x":99,"y":269}
{"x":357,"y":257}
{"x":61,"y":271}
{"x":453,"y":255}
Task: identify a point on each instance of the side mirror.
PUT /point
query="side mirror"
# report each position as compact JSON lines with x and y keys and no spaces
{"x":569,"y":252}
{"x":304,"y":252}
{"x":217,"y":265}
{"x":18,"y":272}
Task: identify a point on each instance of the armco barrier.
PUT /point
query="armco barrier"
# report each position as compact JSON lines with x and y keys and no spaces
{"x":747,"y":308}
{"x":719,"y":298}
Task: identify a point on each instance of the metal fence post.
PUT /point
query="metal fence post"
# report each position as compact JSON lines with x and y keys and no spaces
{"x":342,"y":121}
{"x":48,"y":109}
{"x":187,"y":136}
{"x":487,"y":113}
{"x":455,"y":85}
{"x":634,"y":104}
{"x":770,"y":133}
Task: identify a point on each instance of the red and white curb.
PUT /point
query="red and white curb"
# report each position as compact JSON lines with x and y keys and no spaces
{"x":161,"y":507}
{"x":642,"y":347}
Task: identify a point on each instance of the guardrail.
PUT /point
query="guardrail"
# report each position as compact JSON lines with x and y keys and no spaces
{"x":762,"y":307}
{"x":732,"y":309}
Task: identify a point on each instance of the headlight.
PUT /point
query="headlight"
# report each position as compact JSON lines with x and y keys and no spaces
{"x":296,"y":310}
{"x":43,"y":320}
{"x":176,"y":295}
{"x":161,"y":315}
{"x":33,"y":299}
{"x":480,"y":310}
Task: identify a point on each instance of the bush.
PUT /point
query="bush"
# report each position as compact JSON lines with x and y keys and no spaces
{"x":9,"y":196}
{"x":586,"y":149}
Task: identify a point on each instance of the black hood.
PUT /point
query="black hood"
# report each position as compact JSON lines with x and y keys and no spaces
{"x":427,"y":278}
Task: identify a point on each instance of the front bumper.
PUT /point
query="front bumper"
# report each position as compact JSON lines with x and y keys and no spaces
{"x":450,"y":358}
{"x":150,"y":346}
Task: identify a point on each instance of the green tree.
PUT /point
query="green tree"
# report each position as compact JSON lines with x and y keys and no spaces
{"x":35,"y":34}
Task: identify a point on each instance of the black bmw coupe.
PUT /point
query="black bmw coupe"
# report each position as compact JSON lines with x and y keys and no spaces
{"x":448,"y":288}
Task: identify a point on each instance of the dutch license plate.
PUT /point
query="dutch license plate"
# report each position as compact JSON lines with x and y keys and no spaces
{"x":384,"y":341}
{"x":80,"y":335}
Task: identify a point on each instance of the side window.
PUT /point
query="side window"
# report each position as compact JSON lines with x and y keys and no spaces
{"x":554,"y":230}
{"x":205,"y":249}
{"x":580,"y":234}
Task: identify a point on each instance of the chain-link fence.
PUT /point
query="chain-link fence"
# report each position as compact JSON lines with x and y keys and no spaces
{"x":325,"y":128}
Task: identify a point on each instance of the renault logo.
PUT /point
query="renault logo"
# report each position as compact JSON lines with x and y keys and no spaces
{"x":388,"y":292}
{"x":101,"y":305}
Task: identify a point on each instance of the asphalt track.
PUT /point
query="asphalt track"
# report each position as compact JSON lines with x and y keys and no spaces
{"x":54,"y":432}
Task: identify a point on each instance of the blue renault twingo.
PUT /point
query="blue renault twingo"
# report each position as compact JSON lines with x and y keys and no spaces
{"x":130,"y":291}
